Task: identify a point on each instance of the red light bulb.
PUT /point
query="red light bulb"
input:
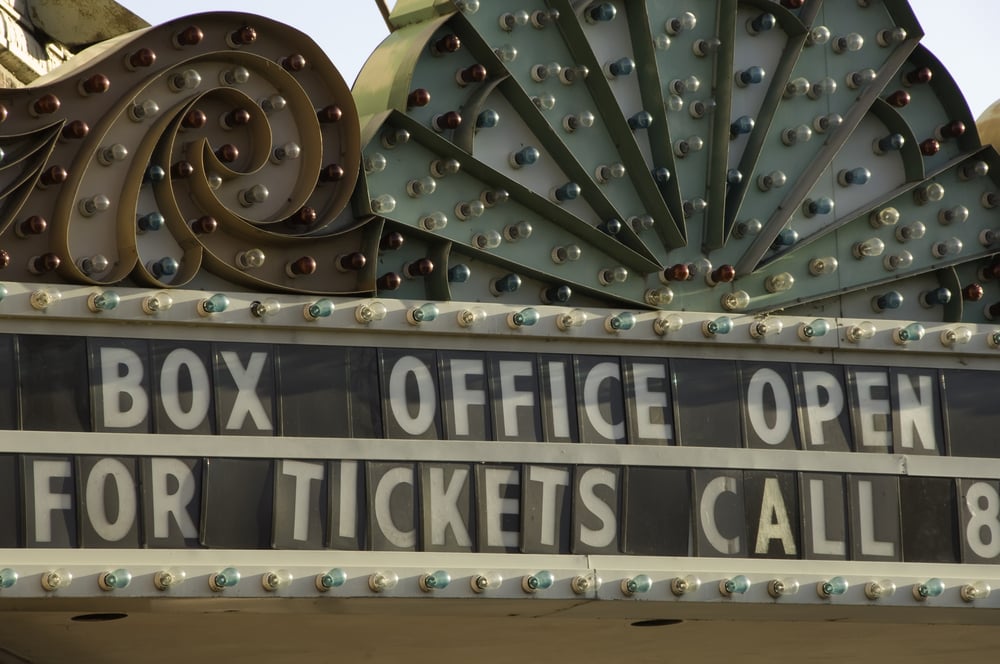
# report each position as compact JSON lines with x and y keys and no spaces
{"x":204,"y":225}
{"x":33,"y":225}
{"x":228,"y":153}
{"x":899,"y":98}
{"x":679,"y":272}
{"x":723,"y":274}
{"x":948,"y":130}
{"x":75,"y":130}
{"x":351,"y":262}
{"x":472,"y":74}
{"x":44,"y":263}
{"x":306,"y":216}
{"x":95,"y":85}
{"x":182,"y":169}
{"x":391,"y":241}
{"x":417,"y":98}
{"x":918,"y":76}
{"x":4,"y":258}
{"x":194,"y":119}
{"x":293,"y":63}
{"x":45,"y":104}
{"x":447,"y":44}
{"x":422,"y":267}
{"x":144,"y":57}
{"x":242,"y":37}
{"x":190,"y":36}
{"x":930,"y":147}
{"x":331,"y":173}
{"x":52,"y":176}
{"x":301,"y":267}
{"x":389,"y":282}
{"x":973,"y":292}
{"x":445,"y":121}
{"x":329,"y":114}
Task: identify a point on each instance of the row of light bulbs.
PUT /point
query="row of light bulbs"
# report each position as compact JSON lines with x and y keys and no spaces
{"x":385,"y":580}
{"x":665,"y":323}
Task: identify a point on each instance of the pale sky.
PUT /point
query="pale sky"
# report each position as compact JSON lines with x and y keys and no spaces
{"x":961,"y":33}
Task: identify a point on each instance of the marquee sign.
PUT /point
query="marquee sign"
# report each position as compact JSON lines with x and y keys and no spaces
{"x":583,"y":283}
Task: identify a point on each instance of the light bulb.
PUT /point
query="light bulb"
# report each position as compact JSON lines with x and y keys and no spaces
{"x":796,"y":87}
{"x":573,"y":122}
{"x":524,"y":157}
{"x":584,"y":583}
{"x":741,"y":126}
{"x":470,"y":317}
{"x":111,"y":154}
{"x":929,"y":588}
{"x":823,"y":266}
{"x":795,"y":135}
{"x":904,"y":335}
{"x":875,"y":590}
{"x":435,"y":221}
{"x":948,"y":248}
{"x":507,"y":53}
{"x":538,"y":581}
{"x":143,"y":110}
{"x":519,"y":231}
{"x":380,"y":582}
{"x":487,"y":240}
{"x":684,"y":585}
{"x":723,"y":325}
{"x":375,"y":163}
{"x":226,"y":578}
{"x":459,"y":274}
{"x":737,"y":585}
{"x":640,"y":583}
{"x":604,"y":173}
{"x":766,"y":328}
{"x":168,"y":578}
{"x":44,"y":298}
{"x":213,"y":305}
{"x":622,"y":322}
{"x":150,"y":222}
{"x":383,"y":204}
{"x":956,"y":337}
{"x":772,"y":180}
{"x":188,"y":79}
{"x":265,"y":308}
{"x":250,"y":259}
{"x":782,"y":587}
{"x":235,"y":76}
{"x":662,"y":42}
{"x":616,"y":275}
{"x":154,"y":304}
{"x":836,"y":586}
{"x":487,"y":119}
{"x":900,"y":261}
{"x":8,"y":577}
{"x":438,"y":580}
{"x":787,"y":237}
{"x":970,"y":592}
{"x":56,"y":579}
{"x":748,"y":227}
{"x":858,"y":333}
{"x":954,"y":215}
{"x":254,"y":195}
{"x":890,"y":36}
{"x":733,"y":177}
{"x":704,"y":47}
{"x":658,"y":297}
{"x":90,"y":206}
{"x":885,"y":217}
{"x":642,"y":223}
{"x":735,"y":301}
{"x":425,"y":313}
{"x":822,"y":88}
{"x":848,"y":43}
{"x":286,"y":152}
{"x":818,"y":35}
{"x":545,"y":102}
{"x":276,"y":580}
{"x":686,"y":21}
{"x":914,"y":231}
{"x":469,"y":210}
{"x":931,"y":193}
{"x":665,"y":324}
{"x":115,"y":580}
{"x":869,"y":248}
{"x":750,"y":76}
{"x":847,"y":177}
{"x":817,"y":328}
{"x":556,"y":294}
{"x":543,"y":72}
{"x":91,"y":265}
{"x":104,"y":301}
{"x":812,"y":207}
{"x":571,"y":319}
{"x":334,"y":578}
{"x":367,"y":313}
{"x":934,"y":297}
{"x":523,"y":318}
{"x":829,"y":122}
{"x":641,"y":120}
{"x":485,"y":581}
{"x":566,"y":192}
{"x":273,"y":104}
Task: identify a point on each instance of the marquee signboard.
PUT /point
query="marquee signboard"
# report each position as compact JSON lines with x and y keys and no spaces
{"x":696,"y":301}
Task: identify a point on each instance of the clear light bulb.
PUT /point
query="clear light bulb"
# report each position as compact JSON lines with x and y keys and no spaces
{"x":485,"y":581}
{"x":471,"y":317}
{"x":435,"y":221}
{"x":367,"y":313}
{"x":735,"y":301}
{"x":858,"y":333}
{"x":168,"y":578}
{"x":970,"y":592}
{"x":948,"y":248}
{"x":380,"y":582}
{"x":914,"y":231}
{"x":782,"y":587}
{"x":779,"y":283}
{"x":571,"y":319}
{"x":276,"y":580}
{"x":488,"y":240}
{"x":383,"y":204}
{"x":900,"y":261}
{"x":869,"y":248}
{"x":658,"y":297}
{"x":684,"y":585}
{"x":875,"y":590}
{"x":795,"y":135}
{"x":850,"y":43}
{"x":615,"y":275}
{"x":823,"y":266}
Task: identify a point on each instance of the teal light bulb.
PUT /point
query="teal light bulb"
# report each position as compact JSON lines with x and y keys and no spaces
{"x":425,"y":313}
{"x":540,"y":581}
{"x":929,"y":588}
{"x":8,"y":577}
{"x":435,"y":581}
{"x":3,"y":292}
{"x":817,"y":328}
{"x":319,"y":309}
{"x":737,"y":585}
{"x":116,"y":580}
{"x":524,"y":317}
{"x":227,"y":578}
{"x":332,"y":579}
{"x":723,"y":325}
{"x":637,"y":584}
{"x":215,"y":304}
{"x":106,"y":301}
{"x":912,"y":332}
{"x":835,"y":586}
{"x":621,"y":323}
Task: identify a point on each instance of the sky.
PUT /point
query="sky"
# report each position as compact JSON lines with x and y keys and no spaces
{"x":961,"y":33}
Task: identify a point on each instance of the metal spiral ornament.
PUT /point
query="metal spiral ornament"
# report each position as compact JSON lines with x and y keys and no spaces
{"x":220,"y":147}
{"x":744,"y":157}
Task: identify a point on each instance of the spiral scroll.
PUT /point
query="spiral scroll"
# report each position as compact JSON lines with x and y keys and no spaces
{"x":219,"y":146}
